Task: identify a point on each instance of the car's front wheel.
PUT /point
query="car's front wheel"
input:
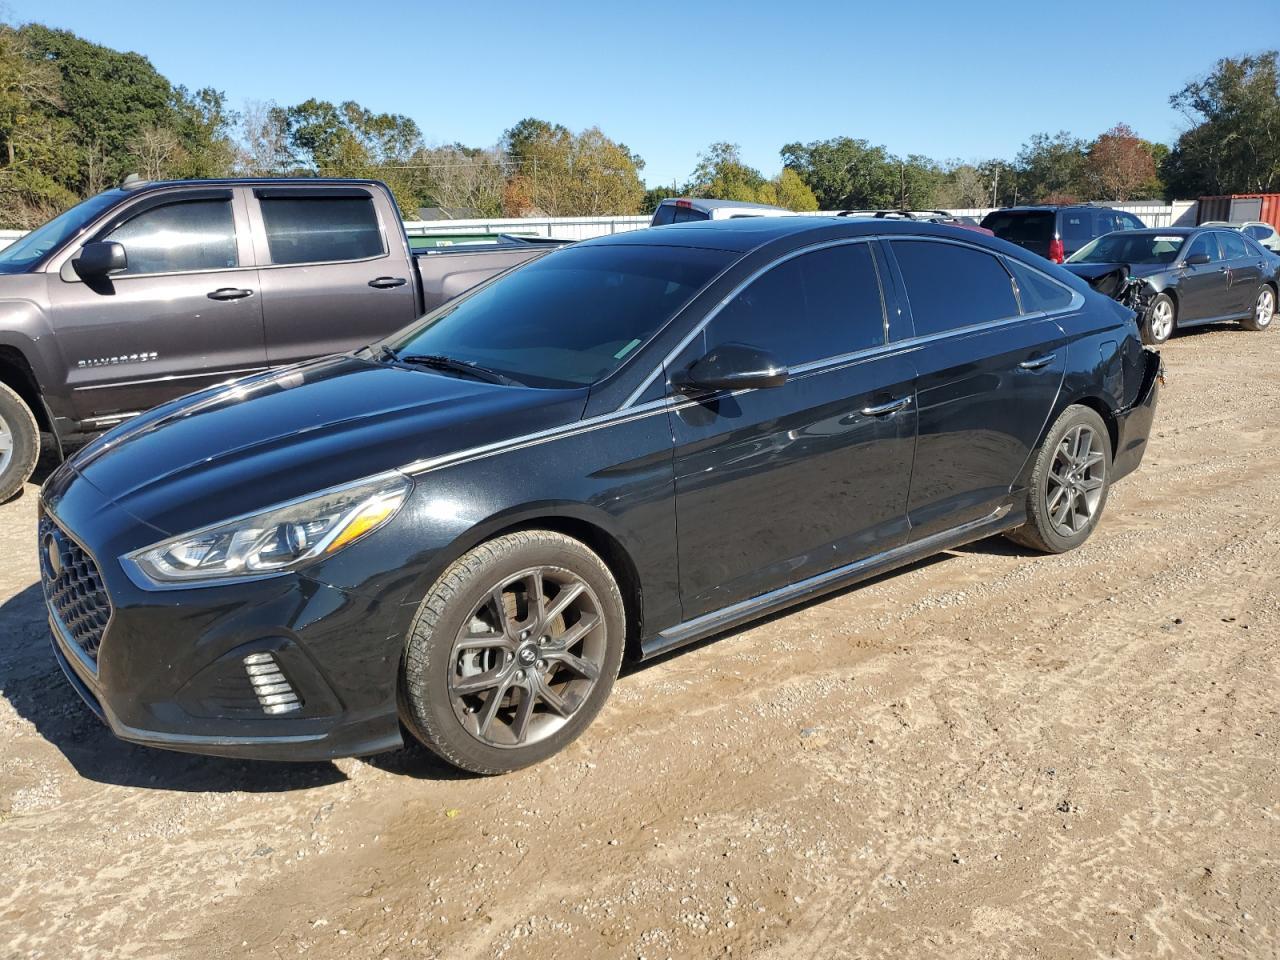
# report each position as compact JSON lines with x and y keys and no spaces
{"x":1162,"y":318}
{"x":1069,"y":483}
{"x":1264,"y":310}
{"x":19,"y":442}
{"x":513,"y":651}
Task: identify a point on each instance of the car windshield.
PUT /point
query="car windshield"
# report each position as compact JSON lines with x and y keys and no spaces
{"x":570,"y":318}
{"x":25,"y":252}
{"x":1131,"y":248}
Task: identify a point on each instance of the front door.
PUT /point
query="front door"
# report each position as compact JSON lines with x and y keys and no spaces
{"x":988,"y":376}
{"x":1202,"y":289}
{"x":774,"y":485}
{"x":333,"y":276}
{"x":186,"y":312}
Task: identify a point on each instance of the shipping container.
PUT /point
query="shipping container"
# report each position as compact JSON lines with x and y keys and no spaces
{"x":1240,"y":207}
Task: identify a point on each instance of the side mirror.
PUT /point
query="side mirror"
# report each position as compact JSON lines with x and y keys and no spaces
{"x":731,"y":366}
{"x":100,"y":259}
{"x":1196,"y":260}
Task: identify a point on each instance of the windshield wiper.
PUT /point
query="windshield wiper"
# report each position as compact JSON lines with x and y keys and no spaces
{"x":436,"y":361}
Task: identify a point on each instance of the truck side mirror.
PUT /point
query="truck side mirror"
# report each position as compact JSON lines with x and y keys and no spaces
{"x":100,"y":259}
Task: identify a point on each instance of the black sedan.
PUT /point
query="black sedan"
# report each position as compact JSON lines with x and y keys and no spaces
{"x":1184,"y":277}
{"x":625,"y":446}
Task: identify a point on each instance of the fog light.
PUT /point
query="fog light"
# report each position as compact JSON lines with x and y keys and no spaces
{"x":274,"y":693}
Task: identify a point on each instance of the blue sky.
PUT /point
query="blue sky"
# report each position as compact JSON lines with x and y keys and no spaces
{"x":947,"y":79}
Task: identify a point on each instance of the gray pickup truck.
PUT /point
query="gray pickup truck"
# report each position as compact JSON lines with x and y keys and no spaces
{"x":153,"y":290}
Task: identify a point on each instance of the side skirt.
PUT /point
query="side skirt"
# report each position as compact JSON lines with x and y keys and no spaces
{"x":738,"y":613}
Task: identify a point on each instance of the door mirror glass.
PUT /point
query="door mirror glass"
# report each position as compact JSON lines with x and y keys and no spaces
{"x":731,"y":366}
{"x":1196,"y":259}
{"x":100,"y":259}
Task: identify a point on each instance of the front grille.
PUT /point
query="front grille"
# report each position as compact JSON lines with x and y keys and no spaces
{"x":73,"y":587}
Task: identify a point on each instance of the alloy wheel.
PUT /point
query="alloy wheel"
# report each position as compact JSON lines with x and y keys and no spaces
{"x":1265,"y":309}
{"x":1076,"y":480}
{"x":1162,"y":321}
{"x":527,"y":657}
{"x":6,"y":444}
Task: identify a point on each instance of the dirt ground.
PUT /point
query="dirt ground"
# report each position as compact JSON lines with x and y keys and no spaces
{"x":991,"y":754}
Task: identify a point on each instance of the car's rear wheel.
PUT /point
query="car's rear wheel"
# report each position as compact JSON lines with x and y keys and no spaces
{"x":19,"y":442}
{"x":1069,"y":483}
{"x":1161,"y":320}
{"x":1264,"y":310}
{"x":513,"y":651}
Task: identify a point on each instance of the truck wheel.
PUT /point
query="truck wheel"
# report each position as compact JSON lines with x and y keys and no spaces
{"x":19,"y":442}
{"x":1264,"y":310}
{"x":1161,"y":320}
{"x":513,"y":652}
{"x":1069,"y":483}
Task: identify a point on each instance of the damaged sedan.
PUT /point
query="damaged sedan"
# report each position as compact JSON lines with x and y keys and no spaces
{"x":1183,"y":277}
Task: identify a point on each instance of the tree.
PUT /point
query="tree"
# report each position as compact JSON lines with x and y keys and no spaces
{"x":158,"y":152}
{"x":457,"y":176}
{"x":655,"y":195}
{"x":722,"y":175}
{"x":204,"y":127}
{"x":844,"y":173}
{"x":560,"y":173}
{"x":1120,"y":165}
{"x":1234,"y":145}
{"x":963,"y":185}
{"x":264,"y":140}
{"x":1051,"y":168}
{"x":792,"y":192}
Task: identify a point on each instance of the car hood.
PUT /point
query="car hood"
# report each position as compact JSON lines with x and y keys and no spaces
{"x":1110,"y":279}
{"x":240,"y":448}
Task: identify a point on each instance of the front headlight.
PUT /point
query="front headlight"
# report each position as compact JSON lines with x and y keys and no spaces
{"x":276,"y":540}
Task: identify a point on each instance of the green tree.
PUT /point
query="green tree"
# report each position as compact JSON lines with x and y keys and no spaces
{"x":561,"y":173}
{"x":721,"y":174}
{"x":844,"y":173}
{"x":1051,"y":168}
{"x":655,"y":195}
{"x":792,"y":192}
{"x":1234,"y":146}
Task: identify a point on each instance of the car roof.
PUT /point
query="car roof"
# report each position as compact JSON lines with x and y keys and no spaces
{"x":142,"y":186}
{"x":705,"y":204}
{"x":749,"y":233}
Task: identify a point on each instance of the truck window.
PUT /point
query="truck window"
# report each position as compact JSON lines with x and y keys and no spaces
{"x":317,"y":229}
{"x":179,"y":238}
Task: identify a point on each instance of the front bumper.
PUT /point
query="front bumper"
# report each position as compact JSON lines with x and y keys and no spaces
{"x":1134,"y":424}
{"x":171,"y":670}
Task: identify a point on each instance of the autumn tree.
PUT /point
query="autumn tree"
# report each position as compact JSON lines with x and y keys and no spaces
{"x":560,"y":173}
{"x":1119,"y":165}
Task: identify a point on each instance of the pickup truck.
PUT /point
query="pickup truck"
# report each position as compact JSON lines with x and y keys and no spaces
{"x":156,"y":289}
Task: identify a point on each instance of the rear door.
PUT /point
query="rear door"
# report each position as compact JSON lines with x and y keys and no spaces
{"x":1202,"y":289}
{"x":334,"y":275}
{"x":1244,"y":271}
{"x":776,"y":485}
{"x":1078,"y":225}
{"x":988,"y":374}
{"x":186,"y":313}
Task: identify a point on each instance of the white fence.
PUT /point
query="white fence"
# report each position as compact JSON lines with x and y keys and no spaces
{"x":1179,"y":213}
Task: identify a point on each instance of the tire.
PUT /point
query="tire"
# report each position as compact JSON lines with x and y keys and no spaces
{"x":19,"y":442}
{"x":1160,"y":321}
{"x":519,"y":688}
{"x":1045,"y":529}
{"x":1264,"y":310}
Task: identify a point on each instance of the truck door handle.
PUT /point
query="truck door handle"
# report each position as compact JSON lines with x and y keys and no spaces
{"x":884,"y":409}
{"x":385,"y":283}
{"x":1035,"y":363}
{"x":230,"y":293}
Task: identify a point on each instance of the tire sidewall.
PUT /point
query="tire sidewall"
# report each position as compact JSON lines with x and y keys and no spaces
{"x":1072,"y":417}
{"x":26,"y":442}
{"x":425,"y":687}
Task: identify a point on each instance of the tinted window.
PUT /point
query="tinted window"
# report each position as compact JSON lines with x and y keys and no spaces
{"x":192,"y":235}
{"x":950,"y":286}
{"x":670,"y":213}
{"x":1077,"y":227}
{"x":1257,"y":232}
{"x":1132,"y":248}
{"x":1021,"y":227}
{"x":25,"y":251}
{"x":1204,"y":243}
{"x":1038,"y":292}
{"x":320,"y":229}
{"x":1130,"y":222}
{"x":569,"y":318}
{"x":813,"y":306}
{"x":1233,"y":247}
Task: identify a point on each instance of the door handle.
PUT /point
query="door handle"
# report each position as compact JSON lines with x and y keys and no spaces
{"x":1035,"y":363}
{"x":385,"y":283}
{"x":230,"y":293}
{"x":884,"y":409}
